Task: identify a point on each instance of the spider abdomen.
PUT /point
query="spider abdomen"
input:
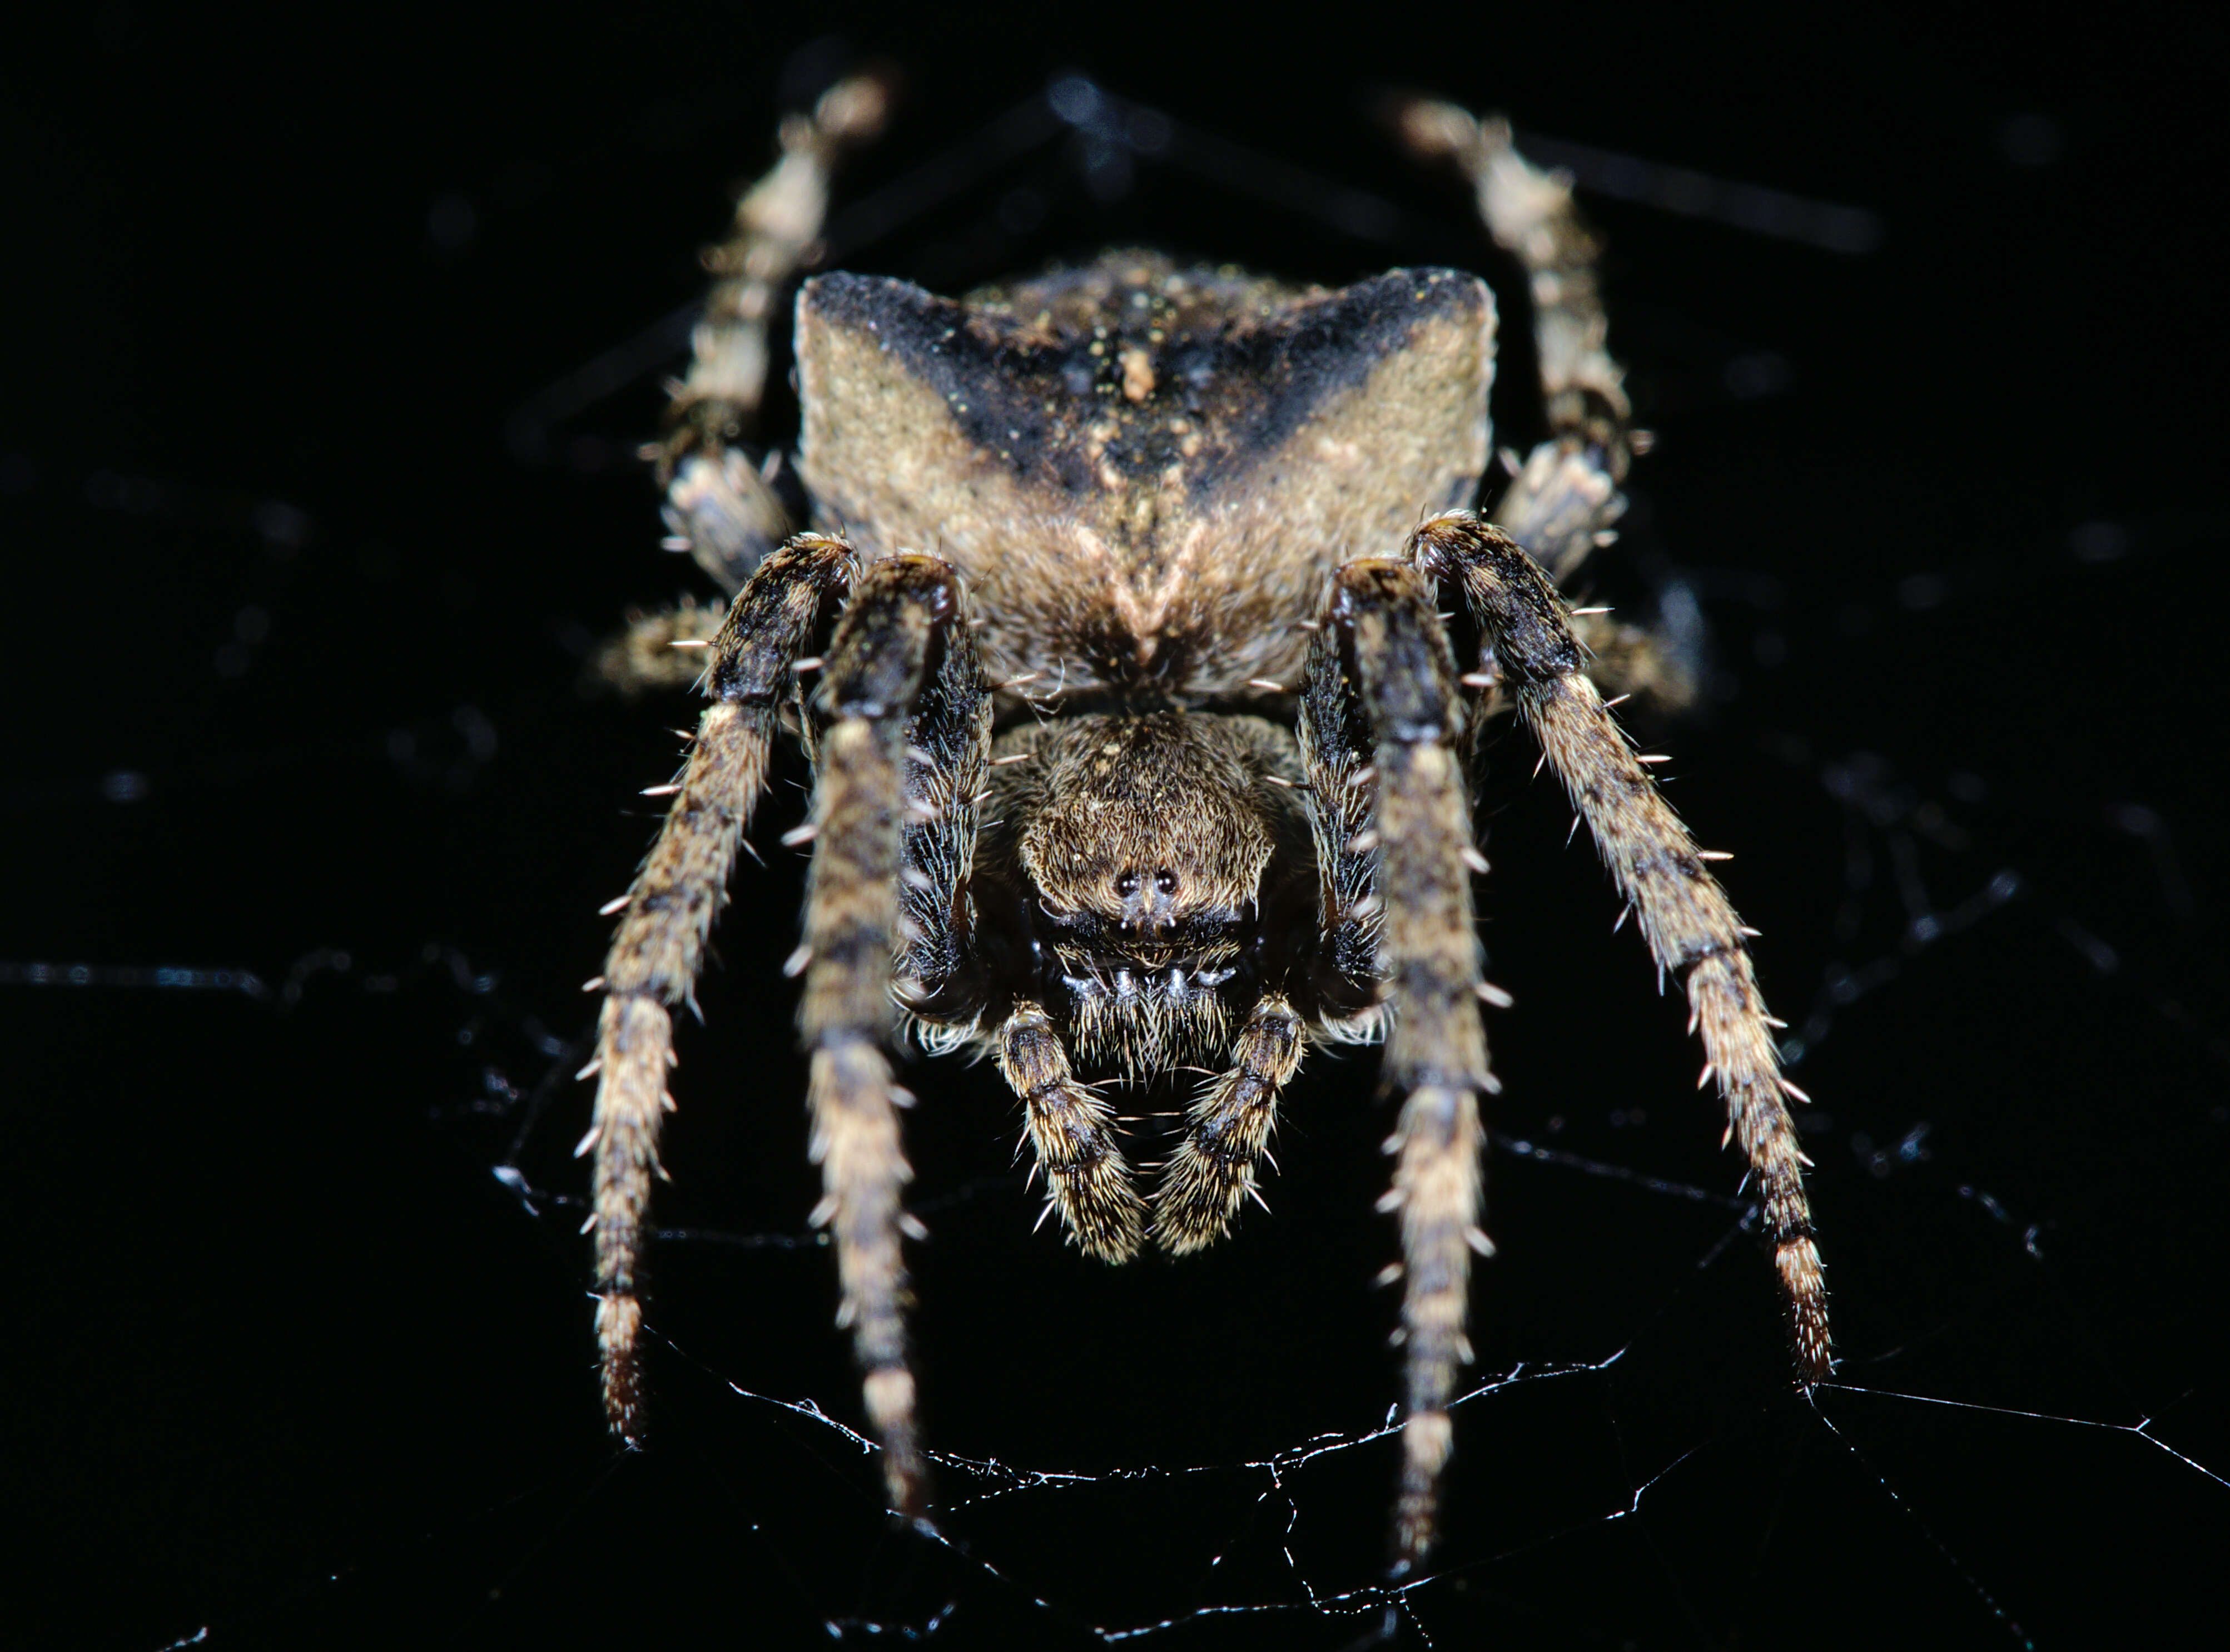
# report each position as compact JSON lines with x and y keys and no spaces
{"x":1142,"y":471}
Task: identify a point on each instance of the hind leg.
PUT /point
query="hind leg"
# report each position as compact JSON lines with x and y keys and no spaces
{"x":721,"y":505}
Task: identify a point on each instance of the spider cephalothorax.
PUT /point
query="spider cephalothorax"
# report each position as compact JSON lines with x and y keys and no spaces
{"x":1208,"y":523}
{"x":1130,"y":883}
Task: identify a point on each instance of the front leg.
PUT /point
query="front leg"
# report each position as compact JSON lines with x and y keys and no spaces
{"x":879,"y":676}
{"x":669,"y":911}
{"x":1691,"y":926}
{"x":1380,"y":671}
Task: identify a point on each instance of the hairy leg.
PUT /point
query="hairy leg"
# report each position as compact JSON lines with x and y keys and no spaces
{"x":1380,"y":671}
{"x":878,"y":672}
{"x":1227,"y":1132}
{"x":1565,"y":495}
{"x":1563,"y":499}
{"x":721,"y":505}
{"x":1073,"y":1130}
{"x":659,"y":947}
{"x":1629,"y":662}
{"x":1691,"y":928}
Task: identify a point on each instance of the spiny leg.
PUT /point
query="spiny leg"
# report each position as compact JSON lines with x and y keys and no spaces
{"x":1691,"y":928}
{"x":1073,"y":1131}
{"x":1561,"y":504}
{"x":1566,"y":493}
{"x":659,"y":947}
{"x":880,"y":663}
{"x":1630,"y":663}
{"x":1380,"y":670}
{"x":721,"y":506}
{"x":1227,"y":1132}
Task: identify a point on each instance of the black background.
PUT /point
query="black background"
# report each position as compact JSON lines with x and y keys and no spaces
{"x":299,"y":582}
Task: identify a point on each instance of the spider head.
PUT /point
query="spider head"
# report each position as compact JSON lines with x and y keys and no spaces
{"x":1145,"y":841}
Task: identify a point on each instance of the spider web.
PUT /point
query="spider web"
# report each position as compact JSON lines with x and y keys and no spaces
{"x":317,"y":851}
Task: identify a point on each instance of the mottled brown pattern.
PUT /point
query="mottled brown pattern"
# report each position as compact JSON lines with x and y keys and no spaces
{"x":1229,"y":810}
{"x":1138,"y":545}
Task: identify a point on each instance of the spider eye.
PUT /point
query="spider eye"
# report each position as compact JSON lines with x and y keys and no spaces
{"x":1166,"y":882}
{"x":1127,"y":884}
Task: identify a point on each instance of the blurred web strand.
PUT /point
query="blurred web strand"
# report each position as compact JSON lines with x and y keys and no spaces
{"x":1851,"y":232}
{"x":169,"y":977}
{"x":1879,"y":807}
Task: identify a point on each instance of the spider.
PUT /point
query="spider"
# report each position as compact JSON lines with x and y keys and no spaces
{"x":1212,"y":519}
